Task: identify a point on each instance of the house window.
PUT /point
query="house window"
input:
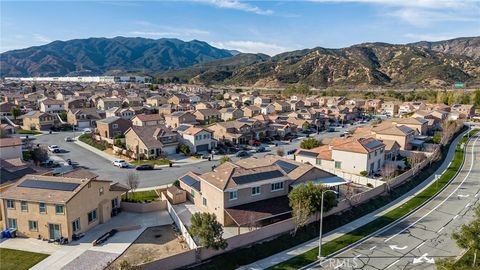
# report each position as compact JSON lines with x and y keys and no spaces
{"x":115,"y":126}
{"x":277,"y":186}
{"x":100,"y":191}
{"x":33,"y":225}
{"x":204,"y":201}
{"x":10,"y":204}
{"x":318,"y":161}
{"x":255,"y":191}
{"x":92,"y":216}
{"x":375,"y":152}
{"x":42,"y":208}
{"x":76,"y":225}
{"x":192,"y":193}
{"x":24,"y":206}
{"x":59,"y":209}
{"x":12,"y":223}
{"x":233,"y":195}
{"x":372,"y":167}
{"x":338,"y":164}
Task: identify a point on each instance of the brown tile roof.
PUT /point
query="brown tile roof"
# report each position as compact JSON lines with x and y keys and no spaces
{"x":9,"y":142}
{"x":80,"y":173}
{"x":149,"y":134}
{"x":53,"y":102}
{"x":149,"y":117}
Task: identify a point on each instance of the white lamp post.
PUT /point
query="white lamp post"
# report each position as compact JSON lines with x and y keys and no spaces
{"x":321,"y":225}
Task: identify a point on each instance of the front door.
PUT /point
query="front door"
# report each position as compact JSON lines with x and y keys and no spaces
{"x":54,"y":231}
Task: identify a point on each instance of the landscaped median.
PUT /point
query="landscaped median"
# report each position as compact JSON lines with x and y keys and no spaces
{"x":18,"y":259}
{"x":395,"y":214}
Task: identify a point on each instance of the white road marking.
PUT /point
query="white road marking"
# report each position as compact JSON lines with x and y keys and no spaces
{"x":422,"y":259}
{"x":392,"y":264}
{"x":468,"y":204}
{"x":441,"y":229}
{"x":463,"y":196}
{"x":476,"y":195}
{"x":442,"y":202}
{"x":372,"y":248}
{"x":394,"y":247}
{"x":455,"y":217}
{"x":419,"y":246}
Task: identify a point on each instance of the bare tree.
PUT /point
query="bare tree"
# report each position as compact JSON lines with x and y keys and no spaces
{"x":414,"y":160}
{"x":132,"y":183}
{"x":280,"y":152}
{"x":388,"y":173}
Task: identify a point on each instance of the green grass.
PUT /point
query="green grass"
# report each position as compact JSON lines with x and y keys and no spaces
{"x":141,"y":196}
{"x":86,"y":138}
{"x":19,"y":260}
{"x":28,"y":132}
{"x":395,"y":214}
{"x":243,"y":256}
{"x":151,"y":161}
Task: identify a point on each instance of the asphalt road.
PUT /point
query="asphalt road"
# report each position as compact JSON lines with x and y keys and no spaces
{"x":425,"y":236}
{"x":104,"y":168}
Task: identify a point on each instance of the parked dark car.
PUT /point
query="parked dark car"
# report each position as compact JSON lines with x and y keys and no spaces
{"x":145,"y":167}
{"x":261,"y":149}
{"x":242,"y":154}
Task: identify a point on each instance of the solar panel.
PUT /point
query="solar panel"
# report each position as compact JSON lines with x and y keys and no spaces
{"x":307,"y":154}
{"x":249,"y":178}
{"x":287,"y":167}
{"x":183,"y":127}
{"x":373,"y":144}
{"x":52,"y":185}
{"x":190,"y":181}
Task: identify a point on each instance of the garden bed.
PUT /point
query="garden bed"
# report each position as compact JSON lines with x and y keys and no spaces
{"x":140,"y":196}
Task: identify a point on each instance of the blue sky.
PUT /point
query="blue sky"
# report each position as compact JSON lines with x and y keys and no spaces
{"x":250,"y":26}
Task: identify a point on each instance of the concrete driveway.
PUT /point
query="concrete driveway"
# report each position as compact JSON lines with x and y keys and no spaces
{"x":82,"y":254}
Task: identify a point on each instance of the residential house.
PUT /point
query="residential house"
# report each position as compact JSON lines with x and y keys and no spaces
{"x":36,"y":120}
{"x":151,"y":141}
{"x":267,"y":109}
{"x":112,"y":126}
{"x":464,"y":111}
{"x":352,"y":155}
{"x":147,"y":120}
{"x":231,"y":114}
{"x":251,"y":190}
{"x":251,"y":111}
{"x":177,"y":118}
{"x":125,"y":113}
{"x":198,"y":139}
{"x":390,"y":108}
{"x":373,"y":105}
{"x":132,"y":101}
{"x":178,"y":99}
{"x":52,"y":106}
{"x":107,"y":103}
{"x":156,"y":101}
{"x":281,"y":106}
{"x":76,"y":103}
{"x":50,"y":207}
{"x":261,"y":101}
{"x":84,"y":117}
{"x":207,"y":116}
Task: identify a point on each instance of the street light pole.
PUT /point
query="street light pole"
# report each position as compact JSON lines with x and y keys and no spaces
{"x":321,"y":225}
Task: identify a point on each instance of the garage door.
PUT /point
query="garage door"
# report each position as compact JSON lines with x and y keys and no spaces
{"x":202,"y":148}
{"x":83,"y":124}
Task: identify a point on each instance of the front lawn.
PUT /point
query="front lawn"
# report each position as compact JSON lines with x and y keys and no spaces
{"x":19,"y":260}
{"x":28,"y":132}
{"x":151,"y":161}
{"x":140,"y":196}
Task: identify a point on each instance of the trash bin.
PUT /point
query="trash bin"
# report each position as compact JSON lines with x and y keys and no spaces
{"x":170,"y":164}
{"x":7,"y":234}
{"x":13,"y":233}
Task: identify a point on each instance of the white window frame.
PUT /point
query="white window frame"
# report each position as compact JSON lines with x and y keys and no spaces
{"x":233,"y":195}
{"x":276,"y":188}
{"x":76,"y":223}
{"x":24,"y":206}
{"x":204,"y":201}
{"x":10,"y":204}
{"x":255,"y":189}
{"x":35,"y":228}
{"x":40,"y":208}
{"x":93,"y":218}
{"x":12,"y":220}
{"x":56,"y":210}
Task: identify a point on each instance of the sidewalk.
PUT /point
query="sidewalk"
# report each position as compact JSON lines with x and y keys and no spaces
{"x":300,"y":249}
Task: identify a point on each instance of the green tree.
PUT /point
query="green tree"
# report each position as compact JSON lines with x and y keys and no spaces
{"x":305,"y":200}
{"x":310,"y":143}
{"x":39,"y":155}
{"x":225,"y":159}
{"x":468,"y":236}
{"x":219,"y":97}
{"x":16,"y":112}
{"x":63,"y":116}
{"x":118,"y":143}
{"x":208,"y":230}
{"x":437,"y":137}
{"x":476,"y":98}
{"x":184,"y":149}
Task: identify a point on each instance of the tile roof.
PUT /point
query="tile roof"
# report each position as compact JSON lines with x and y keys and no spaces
{"x":9,"y":142}
{"x":149,"y":117}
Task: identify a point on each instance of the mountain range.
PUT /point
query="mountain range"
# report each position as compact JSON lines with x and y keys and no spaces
{"x":369,"y":64}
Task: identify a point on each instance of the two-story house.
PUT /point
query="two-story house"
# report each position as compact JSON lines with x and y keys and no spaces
{"x":231,"y":114}
{"x":84,"y":118}
{"x":147,"y":120}
{"x":175,"y":119}
{"x":151,"y":141}
{"x":206,"y":116}
{"x":52,"y":106}
{"x":36,"y":120}
{"x":197,"y":138}
{"x":113,"y":126}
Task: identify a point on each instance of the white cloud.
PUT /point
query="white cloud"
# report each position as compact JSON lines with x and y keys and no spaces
{"x":248,"y":46}
{"x":41,"y":38}
{"x":235,"y":4}
{"x":423,"y":13}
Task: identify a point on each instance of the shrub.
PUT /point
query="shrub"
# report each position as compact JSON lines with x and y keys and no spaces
{"x":364,"y":173}
{"x":309,"y":143}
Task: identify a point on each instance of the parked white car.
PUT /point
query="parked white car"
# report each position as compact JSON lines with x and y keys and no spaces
{"x":120,"y":163}
{"x":54,"y":148}
{"x":87,"y":131}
